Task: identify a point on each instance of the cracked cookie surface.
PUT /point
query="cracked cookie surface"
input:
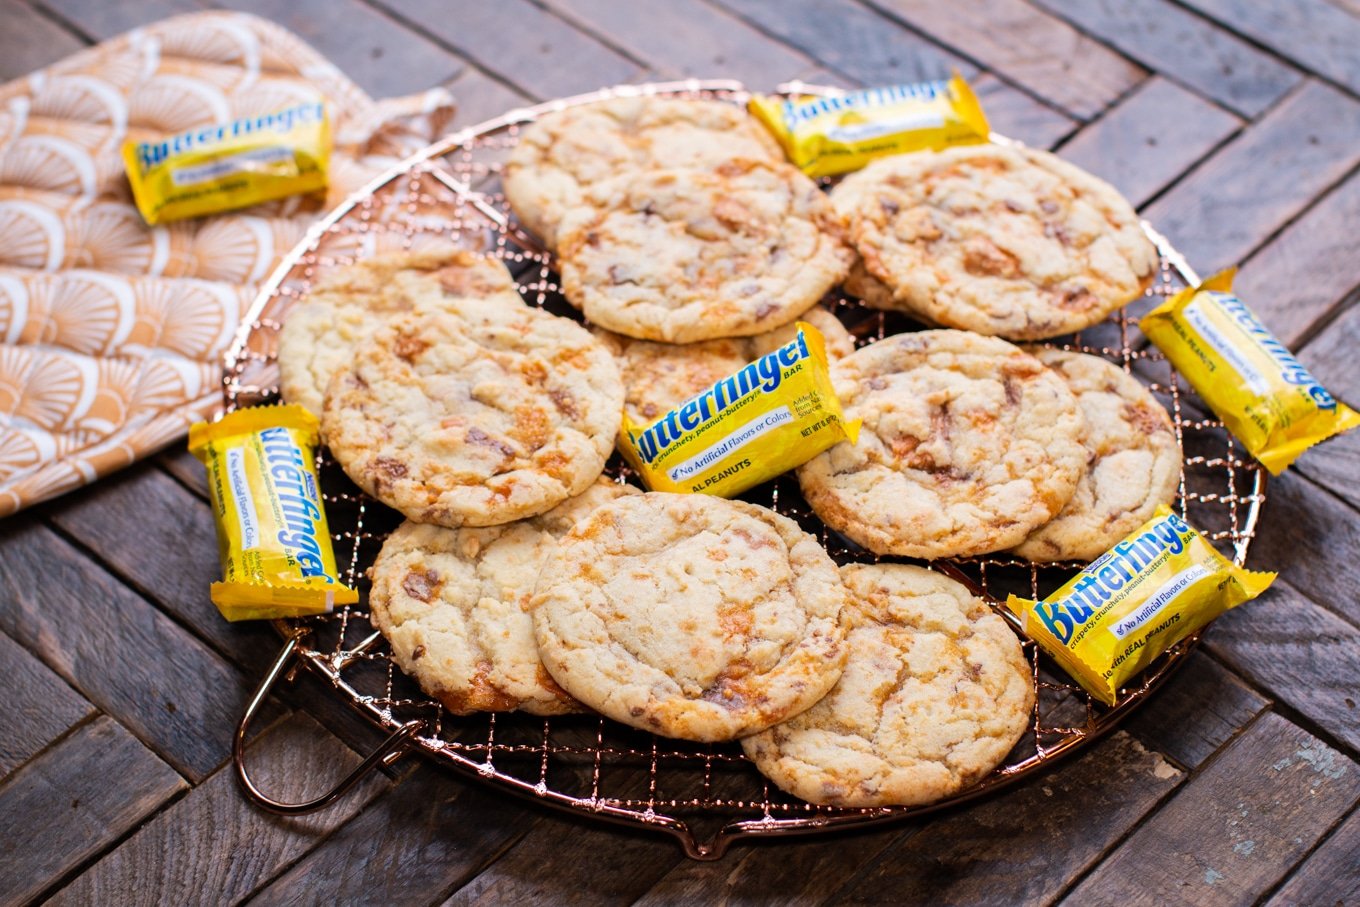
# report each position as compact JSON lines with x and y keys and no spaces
{"x":453,"y":605}
{"x":686,"y":255}
{"x":480,"y":412}
{"x":936,"y":691}
{"x":1134,"y":461}
{"x":968,"y":444}
{"x":691,"y":616}
{"x":660,"y":376}
{"x":563,"y":153}
{"x":347,"y":305}
{"x":1002,"y":240}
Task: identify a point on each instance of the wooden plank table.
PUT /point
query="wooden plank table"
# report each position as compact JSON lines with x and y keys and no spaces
{"x":1234,"y":125}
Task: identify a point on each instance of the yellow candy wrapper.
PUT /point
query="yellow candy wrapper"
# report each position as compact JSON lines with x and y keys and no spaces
{"x":271,"y":523}
{"x":770,"y":416}
{"x":828,"y":135}
{"x":1147,"y":593}
{"x":1265,"y":397}
{"x":231,"y":165}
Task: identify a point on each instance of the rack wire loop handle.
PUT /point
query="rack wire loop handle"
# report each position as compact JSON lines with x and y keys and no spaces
{"x":386,"y":753}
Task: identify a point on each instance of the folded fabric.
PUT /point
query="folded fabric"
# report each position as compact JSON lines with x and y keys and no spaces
{"x":112,"y":332}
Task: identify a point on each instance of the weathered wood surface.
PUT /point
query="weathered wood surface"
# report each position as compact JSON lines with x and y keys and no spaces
{"x":1331,"y":357}
{"x":1167,"y":39}
{"x":1032,"y":49}
{"x":1315,"y":34}
{"x":1302,"y":277}
{"x":88,"y":790}
{"x":211,"y":847}
{"x":1190,"y":719}
{"x":117,"y":649}
{"x":687,"y":38}
{"x":1329,"y":875}
{"x":1234,"y":830}
{"x":1303,"y":655}
{"x":1267,"y":175}
{"x":528,"y":48}
{"x":1152,"y":136}
{"x":1235,"y":127}
{"x":40,"y":708}
{"x":1062,"y":822}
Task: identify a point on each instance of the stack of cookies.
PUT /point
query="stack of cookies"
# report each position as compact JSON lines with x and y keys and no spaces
{"x":524,"y":580}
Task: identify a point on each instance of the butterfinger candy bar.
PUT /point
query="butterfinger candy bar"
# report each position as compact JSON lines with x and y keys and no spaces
{"x":1265,"y":397}
{"x":275,"y":545}
{"x":231,"y":165}
{"x":1147,"y":593}
{"x":770,"y":416}
{"x":836,"y":134}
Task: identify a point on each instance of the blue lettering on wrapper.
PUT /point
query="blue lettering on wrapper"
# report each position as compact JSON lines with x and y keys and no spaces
{"x":1109,"y":573}
{"x":299,"y":502}
{"x":763,"y":376}
{"x":1291,"y":369}
{"x":150,"y":154}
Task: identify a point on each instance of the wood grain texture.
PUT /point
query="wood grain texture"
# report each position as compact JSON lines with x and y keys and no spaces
{"x":571,"y":860}
{"x":1034,"y":50}
{"x":1302,"y":654}
{"x":213,"y":847}
{"x":428,"y":836}
{"x":871,"y":49}
{"x":1019,"y":116}
{"x":683,"y":38}
{"x":29,"y":40}
{"x":383,"y":56}
{"x":171,"y":557}
{"x":178,"y":462}
{"x":1329,"y":875}
{"x":1235,"y":829}
{"x":1305,"y":273}
{"x":99,"y":19}
{"x":1196,"y":712}
{"x":74,"y":800}
{"x":529,"y":48}
{"x":1313,"y":33}
{"x":790,"y":872}
{"x":1023,"y":846}
{"x":1335,"y":463}
{"x":1149,"y":139}
{"x":38,"y":706}
{"x":1260,"y":180}
{"x":481,"y":97}
{"x":117,"y":650}
{"x":1310,"y":536}
{"x":855,"y":40}
{"x":1169,"y":40}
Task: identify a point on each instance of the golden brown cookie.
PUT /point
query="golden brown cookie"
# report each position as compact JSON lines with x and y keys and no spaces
{"x":480,"y":412}
{"x":691,"y":616}
{"x":1134,"y":461}
{"x":936,"y":691}
{"x":968,"y":445}
{"x":999,"y":239}
{"x":349,"y":304}
{"x":453,"y":605}
{"x":686,"y":255}
{"x":562,"y":154}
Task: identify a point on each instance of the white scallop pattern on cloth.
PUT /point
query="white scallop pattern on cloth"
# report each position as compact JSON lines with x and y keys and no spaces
{"x":111,"y":332}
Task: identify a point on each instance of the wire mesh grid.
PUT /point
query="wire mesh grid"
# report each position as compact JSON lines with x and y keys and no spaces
{"x":706,"y":795}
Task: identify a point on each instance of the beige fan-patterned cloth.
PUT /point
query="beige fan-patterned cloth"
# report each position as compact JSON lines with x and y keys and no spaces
{"x":111,"y":332}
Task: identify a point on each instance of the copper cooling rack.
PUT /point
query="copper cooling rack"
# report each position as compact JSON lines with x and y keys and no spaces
{"x":705,"y":795}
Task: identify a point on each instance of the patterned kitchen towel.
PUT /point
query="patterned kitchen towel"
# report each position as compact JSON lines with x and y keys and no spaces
{"x":112,"y":332}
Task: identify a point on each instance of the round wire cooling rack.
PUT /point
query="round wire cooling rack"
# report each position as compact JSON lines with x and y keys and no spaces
{"x":705,"y":795}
